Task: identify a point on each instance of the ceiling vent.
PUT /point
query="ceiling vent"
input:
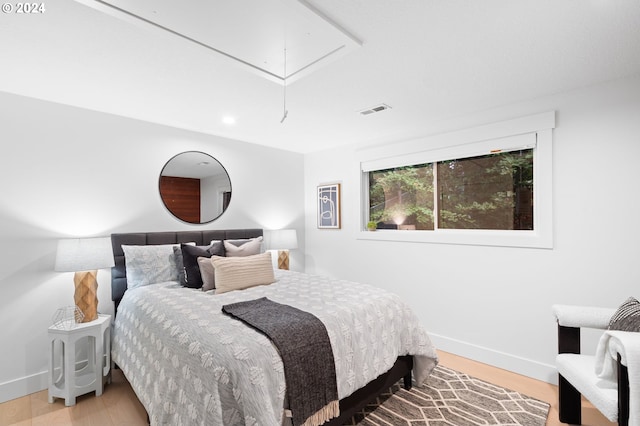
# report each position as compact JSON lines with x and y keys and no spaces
{"x":374,"y":109}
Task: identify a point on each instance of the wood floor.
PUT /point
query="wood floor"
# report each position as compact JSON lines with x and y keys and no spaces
{"x":118,"y":405}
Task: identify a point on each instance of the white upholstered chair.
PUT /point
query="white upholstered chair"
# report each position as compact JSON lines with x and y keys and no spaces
{"x":609,"y":379}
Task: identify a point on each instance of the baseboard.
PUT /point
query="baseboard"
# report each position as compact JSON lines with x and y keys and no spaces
{"x":524,"y":366}
{"x":31,"y":384}
{"x":23,"y":386}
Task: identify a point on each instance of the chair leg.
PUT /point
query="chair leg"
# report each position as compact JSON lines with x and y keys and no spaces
{"x":569,"y":402}
{"x":623,"y":394}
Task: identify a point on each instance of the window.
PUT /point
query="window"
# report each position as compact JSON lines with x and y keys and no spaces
{"x":402,"y":197}
{"x":492,"y":191}
{"x":495,"y":191}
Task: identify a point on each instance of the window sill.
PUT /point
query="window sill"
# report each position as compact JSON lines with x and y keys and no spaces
{"x":523,"y":239}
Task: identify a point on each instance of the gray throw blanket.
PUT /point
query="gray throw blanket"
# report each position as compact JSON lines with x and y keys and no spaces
{"x":306,"y":353}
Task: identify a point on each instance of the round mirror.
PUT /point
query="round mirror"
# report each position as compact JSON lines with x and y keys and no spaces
{"x":195,"y":187}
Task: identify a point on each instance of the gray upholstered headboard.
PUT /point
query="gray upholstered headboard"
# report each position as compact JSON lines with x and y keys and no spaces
{"x":119,"y":272}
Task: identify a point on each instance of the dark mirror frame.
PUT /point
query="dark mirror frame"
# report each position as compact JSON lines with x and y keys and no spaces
{"x":195,"y":187}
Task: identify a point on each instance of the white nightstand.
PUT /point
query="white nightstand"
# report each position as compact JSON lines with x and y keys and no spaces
{"x":66,"y":381}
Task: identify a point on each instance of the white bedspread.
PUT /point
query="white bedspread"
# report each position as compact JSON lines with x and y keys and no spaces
{"x":190,"y":364}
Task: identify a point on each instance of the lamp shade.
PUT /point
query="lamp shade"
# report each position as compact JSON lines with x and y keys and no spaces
{"x":84,"y":254}
{"x":283,"y":239}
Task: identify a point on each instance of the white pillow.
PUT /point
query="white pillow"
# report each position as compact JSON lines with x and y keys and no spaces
{"x":150,"y":264}
{"x":238,"y":273}
{"x":249,"y":247}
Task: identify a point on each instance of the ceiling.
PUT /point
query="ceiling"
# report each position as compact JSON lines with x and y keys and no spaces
{"x":281,"y":40}
{"x":430,"y":60}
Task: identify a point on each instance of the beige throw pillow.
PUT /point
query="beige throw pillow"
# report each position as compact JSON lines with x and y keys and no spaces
{"x":238,"y":273}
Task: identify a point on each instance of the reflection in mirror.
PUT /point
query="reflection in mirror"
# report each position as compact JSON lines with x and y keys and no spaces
{"x":195,"y":187}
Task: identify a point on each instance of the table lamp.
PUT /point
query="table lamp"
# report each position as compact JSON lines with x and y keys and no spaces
{"x":283,"y":240}
{"x":85,"y":256}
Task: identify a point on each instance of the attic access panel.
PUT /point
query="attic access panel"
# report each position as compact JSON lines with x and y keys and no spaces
{"x":250,"y":33}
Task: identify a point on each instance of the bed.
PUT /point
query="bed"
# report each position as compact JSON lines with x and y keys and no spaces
{"x":190,"y":364}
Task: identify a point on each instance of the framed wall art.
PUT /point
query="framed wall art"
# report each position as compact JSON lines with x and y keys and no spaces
{"x":329,"y":206}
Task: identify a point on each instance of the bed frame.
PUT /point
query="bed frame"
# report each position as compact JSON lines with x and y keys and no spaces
{"x":348,"y":406}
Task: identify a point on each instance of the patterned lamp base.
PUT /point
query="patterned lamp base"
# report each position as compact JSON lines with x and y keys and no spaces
{"x":86,"y":295}
{"x":283,"y":259}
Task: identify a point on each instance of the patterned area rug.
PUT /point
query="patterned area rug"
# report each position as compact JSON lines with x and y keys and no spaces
{"x":452,"y":398}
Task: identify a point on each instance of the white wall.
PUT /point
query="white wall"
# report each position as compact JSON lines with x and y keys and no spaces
{"x":69,"y":172}
{"x":211,"y":196}
{"x":493,"y":304}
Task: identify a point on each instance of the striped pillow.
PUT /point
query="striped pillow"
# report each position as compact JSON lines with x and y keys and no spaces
{"x":238,"y":273}
{"x":627,"y":317}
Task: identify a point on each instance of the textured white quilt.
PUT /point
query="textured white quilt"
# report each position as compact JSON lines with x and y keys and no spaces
{"x":190,"y":364}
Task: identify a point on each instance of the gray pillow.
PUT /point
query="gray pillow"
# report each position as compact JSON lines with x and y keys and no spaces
{"x":242,"y":248}
{"x":627,"y":317}
{"x":182,"y":278}
{"x":207,"y":272}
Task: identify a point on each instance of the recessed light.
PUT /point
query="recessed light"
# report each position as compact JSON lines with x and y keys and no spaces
{"x":229,"y":120}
